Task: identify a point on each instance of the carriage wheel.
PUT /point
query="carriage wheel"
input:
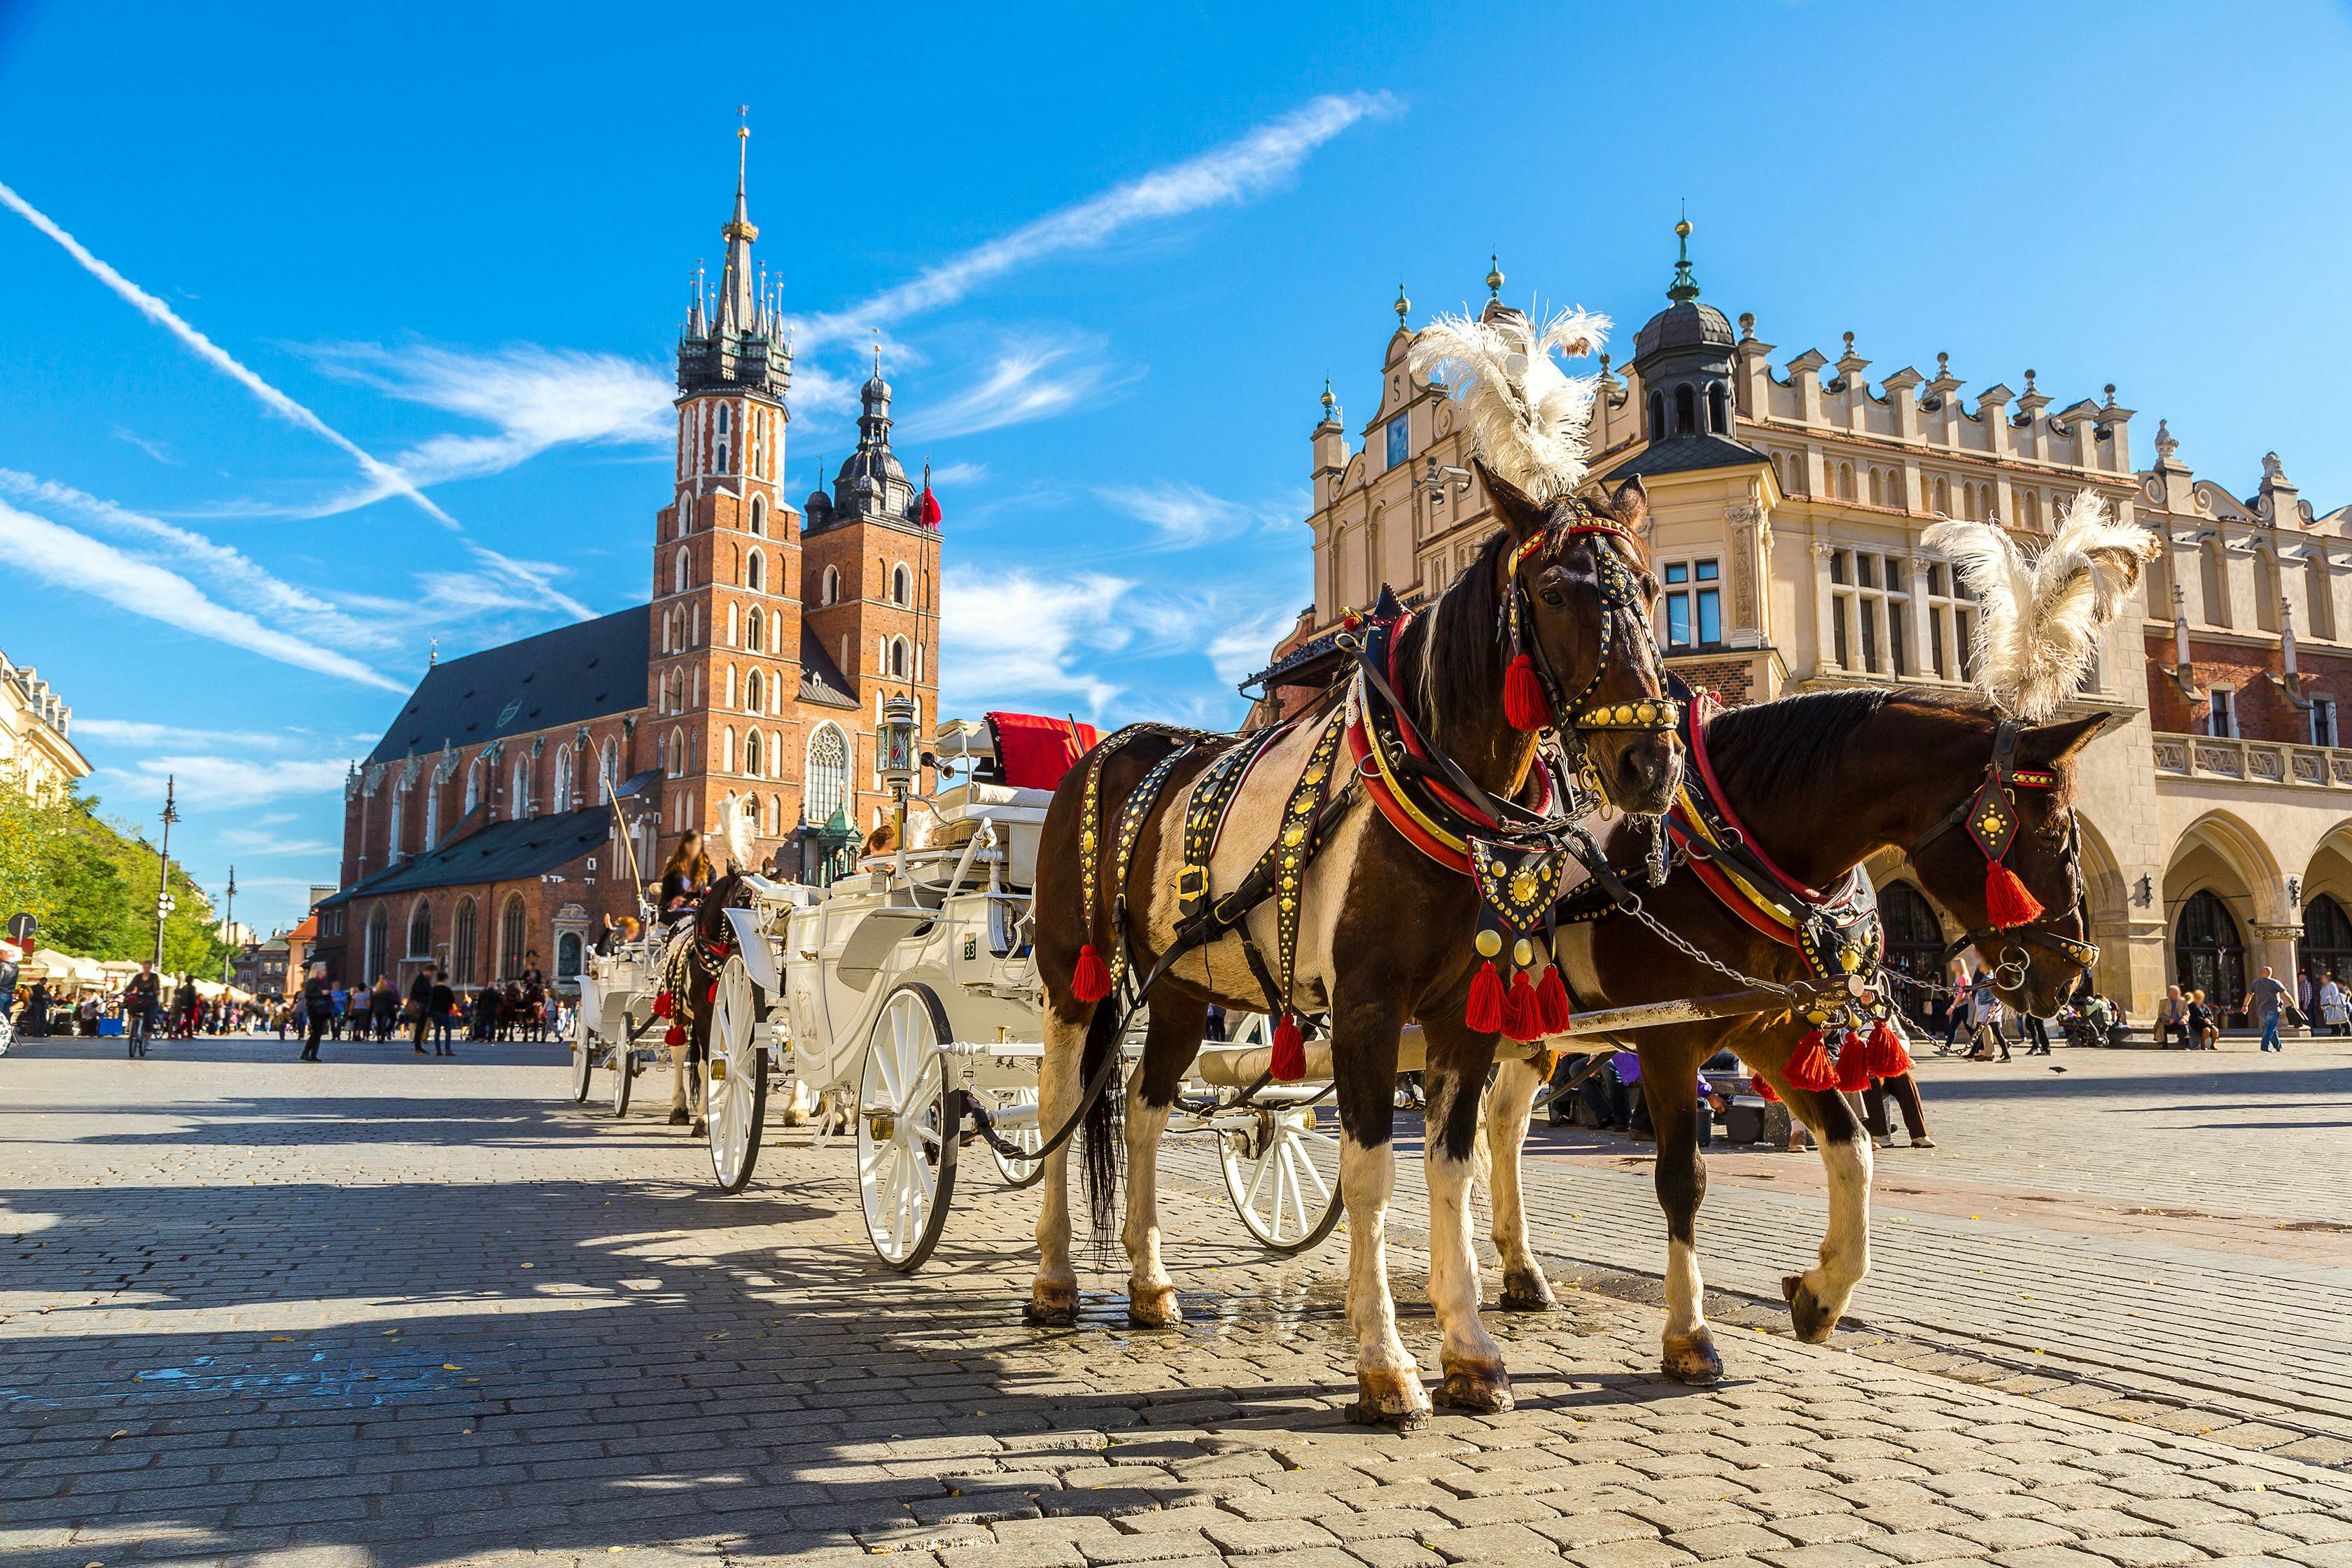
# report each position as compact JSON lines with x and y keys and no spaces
{"x":905,"y":1150}
{"x":1283,"y":1176}
{"x":624,"y":1068}
{"x":583,"y":1058}
{"x":1020,"y":1172}
{"x":735,"y":1091}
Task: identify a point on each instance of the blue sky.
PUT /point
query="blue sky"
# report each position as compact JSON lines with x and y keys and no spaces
{"x":437,"y":257}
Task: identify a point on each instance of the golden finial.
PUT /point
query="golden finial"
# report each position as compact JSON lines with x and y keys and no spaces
{"x":1495,"y":276}
{"x":1330,"y":402}
{"x":1403,"y":305}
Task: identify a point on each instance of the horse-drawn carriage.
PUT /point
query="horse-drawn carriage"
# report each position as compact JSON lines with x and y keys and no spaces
{"x":904,"y":999}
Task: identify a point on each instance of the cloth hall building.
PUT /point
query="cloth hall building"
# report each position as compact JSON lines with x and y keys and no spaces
{"x":479,"y":835}
{"x":1788,"y":494}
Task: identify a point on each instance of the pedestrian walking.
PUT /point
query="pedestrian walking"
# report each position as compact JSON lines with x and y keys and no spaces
{"x":2037,"y":1033}
{"x":1904,"y":1090}
{"x":340,"y":999}
{"x":10,"y":973}
{"x":384,"y":1007}
{"x":418,"y":1013}
{"x":2335,"y":1008}
{"x":2265,"y":1000}
{"x":443,"y":1003}
{"x":142,"y":999}
{"x":318,"y":1011}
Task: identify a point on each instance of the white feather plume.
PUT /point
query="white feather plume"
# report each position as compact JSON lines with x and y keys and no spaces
{"x":1526,"y":417}
{"x":740,"y":848}
{"x":2038,"y":619}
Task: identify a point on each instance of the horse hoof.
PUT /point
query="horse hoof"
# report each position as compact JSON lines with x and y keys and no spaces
{"x":1154,"y":1308}
{"x":1692,"y":1358}
{"x":678,"y":1118}
{"x":701,"y":1128}
{"x":1052,"y":1306}
{"x":1483,"y":1391}
{"x":1389,"y":1399}
{"x":791,"y":1119}
{"x":1527,"y":1292}
{"x":1811,"y":1321}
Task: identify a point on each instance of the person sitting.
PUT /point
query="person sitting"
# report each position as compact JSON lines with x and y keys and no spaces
{"x":686,"y":876}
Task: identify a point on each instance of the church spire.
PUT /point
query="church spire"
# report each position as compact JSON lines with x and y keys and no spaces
{"x":735,"y":299}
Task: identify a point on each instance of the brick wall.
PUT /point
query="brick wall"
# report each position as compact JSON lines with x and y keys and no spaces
{"x":1732,"y":679}
{"x":593,"y":892}
{"x":2264,"y":711}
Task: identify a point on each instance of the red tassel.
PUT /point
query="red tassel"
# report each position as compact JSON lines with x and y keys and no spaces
{"x":1887,"y":1058}
{"x":1485,"y":1014}
{"x":719,"y":949}
{"x":1524,"y":704}
{"x":1756,"y":1082}
{"x":1853,"y":1063}
{"x":673,"y":1036}
{"x":1092,"y":981}
{"x":1289,"y":1061}
{"x":2008,"y":901}
{"x":1810,"y":1066}
{"x":711,"y":995}
{"x":1551,"y":998}
{"x":662,"y":1005}
{"x":1522,"y":1016}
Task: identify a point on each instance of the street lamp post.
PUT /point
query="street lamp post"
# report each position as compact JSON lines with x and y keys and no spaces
{"x":228,"y":929}
{"x":163,"y":868}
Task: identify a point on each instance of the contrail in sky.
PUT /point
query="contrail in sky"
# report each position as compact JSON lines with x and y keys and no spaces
{"x":163,"y":316}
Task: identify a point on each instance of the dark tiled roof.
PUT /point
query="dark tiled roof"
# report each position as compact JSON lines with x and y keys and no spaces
{"x":1301,"y":666}
{"x":502,"y":852}
{"x":821,"y":679}
{"x":568,"y":676}
{"x":1687,"y":454}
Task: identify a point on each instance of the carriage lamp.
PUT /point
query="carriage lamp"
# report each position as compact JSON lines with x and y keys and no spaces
{"x":896,"y":744}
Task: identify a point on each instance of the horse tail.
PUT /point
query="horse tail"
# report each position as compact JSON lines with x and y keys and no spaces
{"x":1103,"y":1140}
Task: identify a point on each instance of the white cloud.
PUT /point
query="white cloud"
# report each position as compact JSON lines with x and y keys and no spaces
{"x":138,"y":733}
{"x":947,"y":474}
{"x":1234,"y":173}
{"x":60,"y":555}
{"x":1181,"y":515}
{"x":1008,"y":637}
{"x":158,"y":450}
{"x":212,"y":783}
{"x":245,"y":841}
{"x":276,"y":402}
{"x":536,"y":397}
{"x":1242,"y":648}
{"x":1031,"y":378}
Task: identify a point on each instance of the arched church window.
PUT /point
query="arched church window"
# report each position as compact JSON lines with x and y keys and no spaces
{"x":473,"y":784}
{"x":518,"y":790}
{"x":831,"y":592}
{"x":1686,"y":410}
{"x":828,"y":785}
{"x":1657,"y":416}
{"x":751,"y":752}
{"x":1718,"y":409}
{"x":753,"y":692}
{"x":379,"y":941}
{"x":510,"y":938}
{"x":681,"y":572}
{"x":759,"y":516}
{"x":755,"y":636}
{"x":561,"y":799}
{"x":2208,"y":953}
{"x":420,"y":930}
{"x":902,"y":585}
{"x":677,"y":753}
{"x":608,"y":771}
{"x":432,"y":812}
{"x":2326,"y":946}
{"x":900,"y":661}
{"x":754,"y":572}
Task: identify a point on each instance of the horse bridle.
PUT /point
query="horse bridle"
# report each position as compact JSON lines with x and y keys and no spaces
{"x":2003,"y":778}
{"x":1620,"y":592}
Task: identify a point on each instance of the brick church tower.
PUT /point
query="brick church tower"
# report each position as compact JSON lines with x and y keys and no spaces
{"x":750,"y":697}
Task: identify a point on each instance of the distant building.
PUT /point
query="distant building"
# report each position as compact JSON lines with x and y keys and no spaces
{"x":36,"y":747}
{"x":479,"y":835}
{"x":1787,"y":507}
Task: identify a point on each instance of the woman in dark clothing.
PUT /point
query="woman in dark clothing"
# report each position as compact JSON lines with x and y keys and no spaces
{"x":683,"y":877}
{"x":486,"y":1014}
{"x":420,"y":1007}
{"x":444,"y":1009}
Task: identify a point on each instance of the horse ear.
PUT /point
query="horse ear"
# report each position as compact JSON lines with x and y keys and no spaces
{"x":1519,"y":510}
{"x":2050,"y":744}
{"x":1631,"y":507}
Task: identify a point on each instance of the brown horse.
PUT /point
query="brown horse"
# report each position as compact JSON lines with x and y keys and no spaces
{"x":1383,"y":930}
{"x":1819,"y":783}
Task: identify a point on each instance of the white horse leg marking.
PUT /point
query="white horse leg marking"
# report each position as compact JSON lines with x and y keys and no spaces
{"x":1472,"y":1362}
{"x":1151,"y":1294}
{"x":1817,"y":1296}
{"x":1054,"y":1296}
{"x":1388,"y":1382}
{"x":1685,"y":1297}
{"x":1508,"y":1102}
{"x":795,"y":1112}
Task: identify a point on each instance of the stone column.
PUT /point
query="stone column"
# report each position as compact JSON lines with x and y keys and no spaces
{"x":1824,"y":640}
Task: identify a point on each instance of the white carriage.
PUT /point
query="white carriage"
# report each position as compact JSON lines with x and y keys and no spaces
{"x":907,"y":990}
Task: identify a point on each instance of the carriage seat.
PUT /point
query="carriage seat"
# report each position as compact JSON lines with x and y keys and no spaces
{"x":1019,"y":815}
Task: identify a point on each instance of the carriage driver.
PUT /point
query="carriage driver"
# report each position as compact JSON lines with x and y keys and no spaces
{"x":685,"y":877}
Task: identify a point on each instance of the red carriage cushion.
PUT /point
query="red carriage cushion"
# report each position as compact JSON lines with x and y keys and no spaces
{"x":1034,"y":751}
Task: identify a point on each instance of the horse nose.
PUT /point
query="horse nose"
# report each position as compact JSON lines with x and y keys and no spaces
{"x":1647,"y":771}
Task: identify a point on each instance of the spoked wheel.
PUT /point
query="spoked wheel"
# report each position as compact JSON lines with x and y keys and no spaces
{"x":583,"y":1059}
{"x":624,"y":1068}
{"x":906,"y":1150}
{"x":1020,"y":1172}
{"x":1283,"y":1174}
{"x":735,"y":1093}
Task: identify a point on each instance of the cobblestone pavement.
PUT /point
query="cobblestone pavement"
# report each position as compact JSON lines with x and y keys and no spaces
{"x":396,"y":1311}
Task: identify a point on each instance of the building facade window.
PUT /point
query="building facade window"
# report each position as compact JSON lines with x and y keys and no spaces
{"x":420,"y":930}
{"x":377,"y":947}
{"x":681,"y":572}
{"x":755,"y":634}
{"x":567,"y":955}
{"x":1686,"y":410}
{"x":473,"y":784}
{"x":2208,"y":953}
{"x":1951,"y":624}
{"x":608,"y":771}
{"x":518,"y":790}
{"x":560,"y":799}
{"x":902,"y":585}
{"x":825,"y":788}
{"x":755,"y":572}
{"x":1868,"y":608}
{"x":829,"y":591}
{"x":899,"y":658}
{"x":1693,"y":603}
{"x":754,"y":692}
{"x":1718,"y":409}
{"x":2323,"y":722}
{"x":1399,"y":441}
{"x":2221,"y":713}
{"x":759,"y":516}
{"x":2325,"y":949}
{"x":510,"y":938}
{"x":461,"y":944}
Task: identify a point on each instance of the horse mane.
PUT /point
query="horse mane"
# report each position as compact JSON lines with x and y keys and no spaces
{"x":1786,"y":747}
{"x":1460,"y":658}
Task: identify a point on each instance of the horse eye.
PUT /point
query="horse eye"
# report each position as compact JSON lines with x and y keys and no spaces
{"x":1551,"y":595}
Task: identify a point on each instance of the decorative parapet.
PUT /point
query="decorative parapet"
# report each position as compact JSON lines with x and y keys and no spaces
{"x":410,"y":769}
{"x":375,"y":779}
{"x":2263,"y":763}
{"x":447,"y":768}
